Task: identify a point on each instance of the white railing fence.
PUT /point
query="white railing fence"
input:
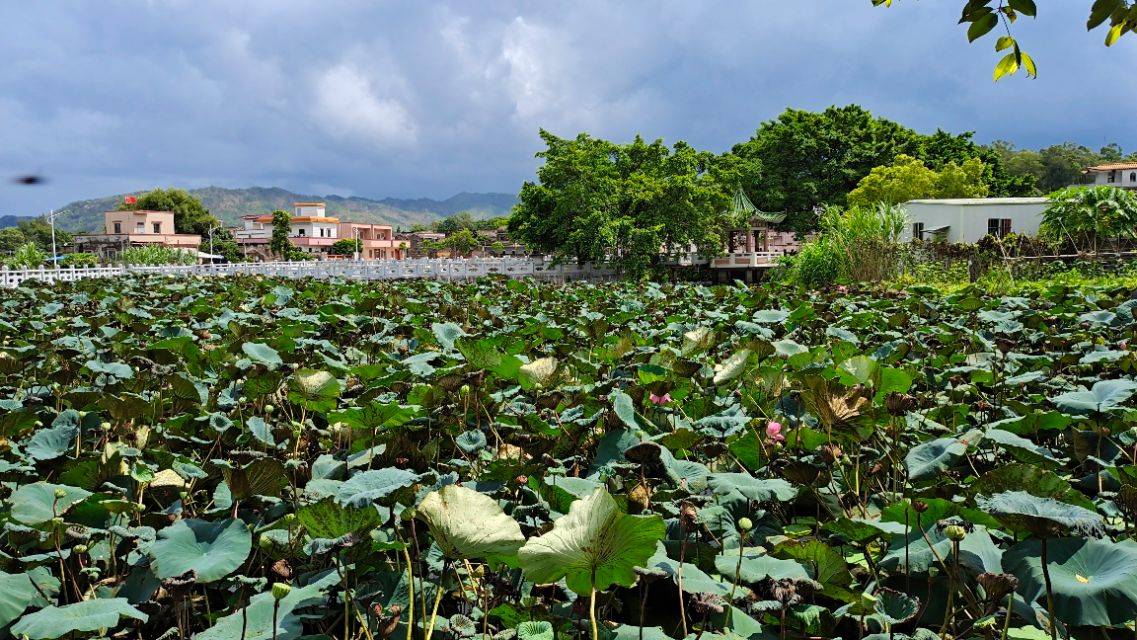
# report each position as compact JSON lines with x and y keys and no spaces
{"x":435,"y":268}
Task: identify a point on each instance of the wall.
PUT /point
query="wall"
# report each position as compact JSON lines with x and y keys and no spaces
{"x":968,"y":222}
{"x":130,"y":219}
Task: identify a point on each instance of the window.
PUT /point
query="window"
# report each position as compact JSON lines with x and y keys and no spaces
{"x":1133,"y":176}
{"x":300,"y":232}
{"x":140,"y":227}
{"x":999,"y":227}
{"x":1113,"y":176}
{"x":118,"y":227}
{"x":157,"y":227}
{"x":917,"y":230}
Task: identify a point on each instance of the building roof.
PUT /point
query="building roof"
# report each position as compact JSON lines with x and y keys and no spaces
{"x":967,"y":202}
{"x":1117,"y":166}
{"x":314,"y":219}
{"x":307,"y":204}
{"x":137,"y":212}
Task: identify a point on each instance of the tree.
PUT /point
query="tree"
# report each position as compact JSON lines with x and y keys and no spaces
{"x":1087,"y":216}
{"x":982,"y":16}
{"x":908,"y":179}
{"x":596,"y":200}
{"x":462,"y":242}
{"x":26,"y":256}
{"x":804,"y":161}
{"x":190,"y":216}
{"x":456,"y":222}
{"x":279,"y":244}
{"x":38,"y":231}
{"x":344,"y":246}
{"x":10,"y":239}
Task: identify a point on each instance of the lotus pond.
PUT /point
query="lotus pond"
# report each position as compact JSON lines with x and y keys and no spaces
{"x":256,"y":458}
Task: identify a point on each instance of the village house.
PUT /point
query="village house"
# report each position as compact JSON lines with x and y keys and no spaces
{"x":968,"y":220}
{"x":125,"y":229}
{"x":1120,"y":174}
{"x":312,"y":231}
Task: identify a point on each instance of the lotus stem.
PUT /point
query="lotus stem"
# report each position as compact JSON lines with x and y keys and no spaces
{"x":275,"y":609}
{"x":410,"y":592}
{"x":591,"y":614}
{"x":434,"y":610}
{"x":1007,"y":622}
{"x":1049,"y":592}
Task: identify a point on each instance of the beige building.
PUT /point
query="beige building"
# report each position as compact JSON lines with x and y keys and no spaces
{"x":124,"y":229}
{"x":312,"y":231}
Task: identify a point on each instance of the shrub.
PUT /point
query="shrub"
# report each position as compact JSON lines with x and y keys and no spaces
{"x":860,"y":243}
{"x":79,"y":260}
{"x":157,"y":255}
{"x":26,"y":256}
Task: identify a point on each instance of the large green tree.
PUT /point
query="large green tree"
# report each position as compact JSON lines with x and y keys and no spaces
{"x":984,"y":16}
{"x":1057,"y":166}
{"x":190,"y":216}
{"x":803,"y":161}
{"x":908,"y":179}
{"x":596,"y":200}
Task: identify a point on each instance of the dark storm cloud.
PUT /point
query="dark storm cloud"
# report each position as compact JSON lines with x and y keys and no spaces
{"x":430,"y":98}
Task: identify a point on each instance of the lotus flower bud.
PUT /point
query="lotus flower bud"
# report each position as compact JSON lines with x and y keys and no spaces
{"x":464,"y":390}
{"x":60,"y":494}
{"x":280,"y":590}
{"x":269,"y":408}
{"x":955,"y":532}
{"x":745,"y":524}
{"x":105,"y":425}
{"x":920,"y":506}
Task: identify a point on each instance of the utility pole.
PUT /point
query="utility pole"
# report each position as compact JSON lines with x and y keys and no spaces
{"x":355,"y":245}
{"x":210,"y":244}
{"x":54,"y":253}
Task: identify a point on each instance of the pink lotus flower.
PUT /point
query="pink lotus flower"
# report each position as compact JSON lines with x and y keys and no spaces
{"x":774,"y":432}
{"x":842,"y":289}
{"x":1124,"y":344}
{"x":660,"y":400}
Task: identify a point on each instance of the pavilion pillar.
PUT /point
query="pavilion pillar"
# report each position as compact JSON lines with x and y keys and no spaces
{"x":750,"y":240}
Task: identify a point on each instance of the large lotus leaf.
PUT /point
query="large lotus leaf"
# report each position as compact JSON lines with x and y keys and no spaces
{"x":48,"y":444}
{"x":329,"y":519}
{"x":625,"y":409}
{"x":261,"y":477}
{"x":254,"y":622}
{"x":1020,"y":447}
{"x":695,"y":580}
{"x":364,"y":488}
{"x":595,"y":545}
{"x":1032,"y":480}
{"x":1022,"y":511}
{"x":930,"y":458}
{"x":895,"y":607}
{"x":1094,"y":581}
{"x":756,"y":566}
{"x":36,"y":503}
{"x":17,"y":592}
{"x":212,"y":550}
{"x":751,"y":488}
{"x":538,"y":373}
{"x":314,"y":389}
{"x":914,"y":554}
{"x":446,"y":333}
{"x":262,"y":354}
{"x":1103,"y":396}
{"x":535,"y":630}
{"x":732,"y":367}
{"x":467,"y":524}
{"x":81,"y":617}
{"x":824,"y":563}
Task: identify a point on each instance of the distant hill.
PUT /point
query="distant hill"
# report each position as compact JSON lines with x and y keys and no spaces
{"x":230,"y":204}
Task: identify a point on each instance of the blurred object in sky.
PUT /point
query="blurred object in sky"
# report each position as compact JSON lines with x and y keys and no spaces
{"x":29,"y":179}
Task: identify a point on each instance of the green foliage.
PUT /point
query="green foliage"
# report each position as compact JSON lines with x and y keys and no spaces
{"x":26,"y":256}
{"x":212,"y":458}
{"x":79,"y":259}
{"x":344,"y":246}
{"x":1085,"y":217}
{"x":461,"y":242}
{"x":983,"y":16}
{"x":858,"y":244}
{"x":1057,"y":166}
{"x":279,"y":244}
{"x":908,"y":179}
{"x":600,"y":201}
{"x":156,"y":255}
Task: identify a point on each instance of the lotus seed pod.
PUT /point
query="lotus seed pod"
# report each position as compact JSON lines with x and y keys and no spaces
{"x":289,"y":518}
{"x":39,"y":423}
{"x":242,"y":399}
{"x":60,"y":494}
{"x":105,"y":425}
{"x":82,"y":414}
{"x":280,"y":590}
{"x":80,"y":548}
{"x":464,"y":390}
{"x":955,"y":532}
{"x":269,"y":408}
{"x":745,"y":524}
{"x":57,"y":521}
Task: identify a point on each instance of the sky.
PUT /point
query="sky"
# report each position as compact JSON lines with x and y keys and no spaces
{"x":381,"y":98}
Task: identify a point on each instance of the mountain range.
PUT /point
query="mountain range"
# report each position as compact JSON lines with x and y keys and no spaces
{"x":230,"y":204}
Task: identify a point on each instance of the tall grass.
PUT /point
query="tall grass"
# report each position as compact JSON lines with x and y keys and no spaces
{"x":858,"y":244}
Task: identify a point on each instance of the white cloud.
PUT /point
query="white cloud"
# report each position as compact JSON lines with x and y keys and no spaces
{"x":346,"y":106}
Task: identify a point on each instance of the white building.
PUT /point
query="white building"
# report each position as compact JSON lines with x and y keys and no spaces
{"x":969,"y":219}
{"x":1121,"y":174}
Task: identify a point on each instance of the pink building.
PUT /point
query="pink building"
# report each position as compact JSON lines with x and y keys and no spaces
{"x":123,"y":229}
{"x":312,"y":231}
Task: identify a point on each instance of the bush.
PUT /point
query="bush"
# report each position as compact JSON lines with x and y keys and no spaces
{"x":860,"y":243}
{"x":157,"y":255}
{"x":26,"y":256}
{"x":79,"y":260}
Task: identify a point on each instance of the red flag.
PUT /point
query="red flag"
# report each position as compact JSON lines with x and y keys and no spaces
{"x":130,"y":199}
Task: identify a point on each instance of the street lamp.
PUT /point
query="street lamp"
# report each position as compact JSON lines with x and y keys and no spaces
{"x":211,"y":228}
{"x":355,"y":245}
